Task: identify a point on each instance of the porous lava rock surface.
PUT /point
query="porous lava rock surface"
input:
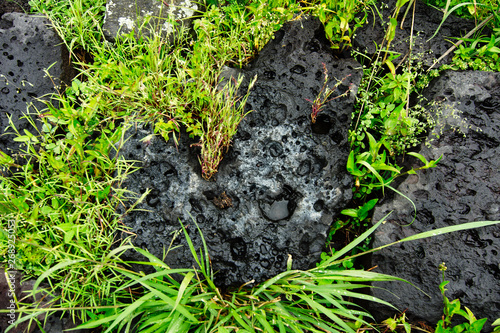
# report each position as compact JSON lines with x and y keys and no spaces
{"x":124,"y":16}
{"x":8,"y":6}
{"x":279,"y":186}
{"x":425,"y":23}
{"x":28,"y":47}
{"x":464,"y":187}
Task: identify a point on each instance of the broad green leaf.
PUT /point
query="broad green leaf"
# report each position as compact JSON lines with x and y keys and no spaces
{"x":47,"y":210}
{"x":391,"y":30}
{"x":329,"y":29}
{"x":351,"y":166}
{"x":350,"y":212}
{"x":494,"y":49}
{"x":367,"y":207}
{"x":55,"y":163}
{"x":22,"y":138}
{"x":344,"y":24}
{"x":68,"y":236}
{"x":390,"y":126}
{"x":374,"y":146}
{"x":350,"y":162}
{"x":391,"y":66}
{"x":477,"y":326}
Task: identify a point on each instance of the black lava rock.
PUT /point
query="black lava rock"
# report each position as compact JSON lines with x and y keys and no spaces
{"x":425,"y":23}
{"x":279,"y":186}
{"x":27,"y":47}
{"x":464,"y":187}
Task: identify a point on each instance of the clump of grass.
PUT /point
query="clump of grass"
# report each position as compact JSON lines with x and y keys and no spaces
{"x":77,"y":22}
{"x":62,"y":201}
{"x":187,"y":300}
{"x":219,"y":123}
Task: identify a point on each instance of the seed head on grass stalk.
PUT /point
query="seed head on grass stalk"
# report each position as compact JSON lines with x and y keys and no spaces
{"x":319,"y":102}
{"x":219,"y":124}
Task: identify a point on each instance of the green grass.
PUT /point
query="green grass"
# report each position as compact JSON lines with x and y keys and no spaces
{"x":62,"y":191}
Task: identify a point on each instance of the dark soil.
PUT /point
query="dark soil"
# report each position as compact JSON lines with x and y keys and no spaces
{"x":9,"y":6}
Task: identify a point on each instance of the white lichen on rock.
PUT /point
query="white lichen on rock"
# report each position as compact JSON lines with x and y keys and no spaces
{"x":127,"y":21}
{"x":187,"y":9}
{"x":109,"y":6}
{"x":167,"y":26}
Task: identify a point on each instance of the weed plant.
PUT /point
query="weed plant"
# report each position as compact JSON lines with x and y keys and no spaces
{"x":482,"y":53}
{"x":77,"y":22}
{"x":452,"y":308}
{"x":62,"y":199}
{"x":339,"y":19}
{"x":476,"y":10}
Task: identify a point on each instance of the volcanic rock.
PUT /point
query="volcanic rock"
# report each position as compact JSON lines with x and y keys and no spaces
{"x":29,"y":48}
{"x":425,"y":23}
{"x":464,"y":187}
{"x":279,"y":186}
{"x":20,"y":6}
{"x":164,"y":17}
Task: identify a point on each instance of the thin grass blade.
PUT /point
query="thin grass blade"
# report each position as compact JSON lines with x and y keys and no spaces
{"x":185,"y":282}
{"x":327,"y":312}
{"x":351,"y":245}
{"x":445,"y":230}
{"x":52,"y":270}
{"x":273,"y":280}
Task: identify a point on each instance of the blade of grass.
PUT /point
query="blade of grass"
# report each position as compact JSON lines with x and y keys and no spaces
{"x":351,"y":245}
{"x":185,"y":282}
{"x":327,"y":312}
